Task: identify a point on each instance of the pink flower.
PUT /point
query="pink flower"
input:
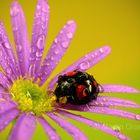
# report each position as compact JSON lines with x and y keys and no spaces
{"x":22,"y":96}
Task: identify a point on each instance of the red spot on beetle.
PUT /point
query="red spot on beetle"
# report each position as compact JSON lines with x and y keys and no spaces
{"x":71,"y":73}
{"x":80,"y":91}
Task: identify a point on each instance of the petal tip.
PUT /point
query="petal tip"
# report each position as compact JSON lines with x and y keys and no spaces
{"x":71,"y":22}
{"x":107,"y":48}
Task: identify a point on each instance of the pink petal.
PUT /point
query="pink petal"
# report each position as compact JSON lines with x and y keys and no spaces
{"x":72,"y":130}
{"x":57,"y":50}
{"x":24,"y":127}
{"x":51,"y":132}
{"x":6,"y":64}
{"x":84,"y":63}
{"x":109,"y":101}
{"x":119,"y":88}
{"x":4,"y":81}
{"x":8,"y":49}
{"x":94,"y":125}
{"x":20,"y":36}
{"x":6,"y":117}
{"x":103,"y":110}
{"x":6,"y":105}
{"x":39,"y":33}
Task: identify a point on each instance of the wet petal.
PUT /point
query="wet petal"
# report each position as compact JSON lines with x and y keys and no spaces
{"x":4,"y":81}
{"x":84,"y":63}
{"x":7,"y":117}
{"x":57,"y":50}
{"x":51,"y":132}
{"x":119,"y":88}
{"x":8,"y":49}
{"x":24,"y":127}
{"x":109,"y":101}
{"x":20,"y":36}
{"x":72,"y":130}
{"x":6,"y":64}
{"x":39,"y":33}
{"x":94,"y":125}
{"x":103,"y":110}
{"x":6,"y":105}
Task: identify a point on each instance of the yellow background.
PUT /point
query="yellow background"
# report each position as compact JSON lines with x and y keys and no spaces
{"x":99,"y":22}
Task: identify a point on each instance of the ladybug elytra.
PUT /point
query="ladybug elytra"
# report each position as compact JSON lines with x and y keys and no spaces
{"x":76,"y":88}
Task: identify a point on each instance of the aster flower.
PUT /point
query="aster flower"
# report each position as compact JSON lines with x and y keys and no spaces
{"x":22,"y":96}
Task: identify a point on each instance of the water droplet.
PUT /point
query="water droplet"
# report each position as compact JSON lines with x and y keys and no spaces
{"x":122,"y":137}
{"x":32,"y":69}
{"x":84,"y":65}
{"x":40,"y":42}
{"x":47,"y":64}
{"x":69,"y":35}
{"x":138,"y":117}
{"x":1,"y":54}
{"x":9,"y":71}
{"x":101,"y":50}
{"x":52,"y":58}
{"x":93,"y":56}
{"x":38,"y":54}
{"x":14,"y":11}
{"x":64,"y":27}
{"x":56,"y":51}
{"x":7,"y":45}
{"x":43,"y":18}
{"x":52,"y":137}
{"x":104,"y":99}
{"x":95,"y":53}
{"x":15,"y":28}
{"x":38,"y":6}
{"x":70,"y":22}
{"x":19,"y":48}
{"x":32,"y":58}
{"x":65,"y":44}
{"x":56,"y":41}
{"x":44,"y":10}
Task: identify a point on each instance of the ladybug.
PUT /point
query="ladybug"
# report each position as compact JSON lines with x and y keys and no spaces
{"x":76,"y":87}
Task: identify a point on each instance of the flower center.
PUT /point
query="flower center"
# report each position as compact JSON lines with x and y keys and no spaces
{"x":31,"y":97}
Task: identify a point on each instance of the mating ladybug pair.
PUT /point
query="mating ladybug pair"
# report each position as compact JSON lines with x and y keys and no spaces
{"x":76,"y":88}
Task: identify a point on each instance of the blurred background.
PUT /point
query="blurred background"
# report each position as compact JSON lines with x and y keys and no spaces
{"x":99,"y":22}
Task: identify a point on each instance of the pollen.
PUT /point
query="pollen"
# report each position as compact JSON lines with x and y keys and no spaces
{"x":31,"y":97}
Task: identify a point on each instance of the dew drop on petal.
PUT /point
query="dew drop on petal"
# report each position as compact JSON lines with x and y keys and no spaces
{"x":8,"y":70}
{"x":84,"y":65}
{"x":70,"y":22}
{"x":138,"y":117}
{"x":6,"y":44}
{"x":65,"y":44}
{"x":93,"y":56}
{"x":38,"y":54}
{"x":14,"y":11}
{"x":38,"y":6}
{"x":48,"y":64}
{"x":40,"y":42}
{"x":101,"y":50}
{"x":52,"y":137}
{"x":1,"y":54}
{"x":56,"y":41}
{"x":69,"y":35}
{"x":56,"y":52}
{"x":15,"y":28}
{"x":122,"y":137}
{"x":19,"y":48}
{"x":44,"y":10}
{"x":52,"y":58}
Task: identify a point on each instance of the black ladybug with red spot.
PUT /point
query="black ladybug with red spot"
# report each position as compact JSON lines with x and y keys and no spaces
{"x":76,"y":88}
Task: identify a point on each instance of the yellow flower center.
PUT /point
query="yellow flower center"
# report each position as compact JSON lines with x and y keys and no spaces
{"x":31,"y":97}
